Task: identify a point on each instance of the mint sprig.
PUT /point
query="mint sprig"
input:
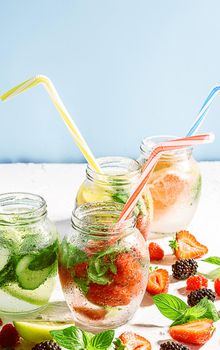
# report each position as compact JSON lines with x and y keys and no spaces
{"x":212,"y":275}
{"x":178,"y":311}
{"x":170,"y":306}
{"x":73,"y":338}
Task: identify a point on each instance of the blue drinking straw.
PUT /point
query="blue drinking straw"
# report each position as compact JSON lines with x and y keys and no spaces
{"x":203,"y":111}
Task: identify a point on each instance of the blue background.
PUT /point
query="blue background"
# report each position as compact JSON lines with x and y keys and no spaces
{"x":124,"y":69}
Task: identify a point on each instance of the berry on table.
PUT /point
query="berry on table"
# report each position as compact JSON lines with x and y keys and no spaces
{"x":47,"y":345}
{"x":195,"y":332}
{"x":196,"y":282}
{"x":217,"y":286}
{"x":9,"y":336}
{"x":171,"y":345}
{"x":186,"y":246}
{"x":184,"y":268}
{"x":133,"y":341}
{"x":158,"y":282}
{"x":156,"y":252}
{"x":195,"y":296}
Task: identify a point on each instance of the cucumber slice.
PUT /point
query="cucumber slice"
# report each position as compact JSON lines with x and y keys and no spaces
{"x":4,"y":257}
{"x":30,"y":279}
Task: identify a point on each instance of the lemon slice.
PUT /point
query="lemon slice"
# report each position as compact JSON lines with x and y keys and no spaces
{"x":39,"y":331}
{"x":92,"y":193}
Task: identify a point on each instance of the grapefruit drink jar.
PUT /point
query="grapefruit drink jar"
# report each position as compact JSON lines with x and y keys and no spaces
{"x":103,"y":266}
{"x":175,"y":186}
{"x":115,"y":183}
{"x":28,"y":253}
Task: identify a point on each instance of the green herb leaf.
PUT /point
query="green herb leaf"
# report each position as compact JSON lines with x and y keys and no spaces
{"x":204,"y":309}
{"x":170,"y":306}
{"x":118,"y":344}
{"x":45,"y":258}
{"x":82,"y":283}
{"x":71,"y":338}
{"x":103,"y":341}
{"x":213,"y":260}
{"x":213,"y":274}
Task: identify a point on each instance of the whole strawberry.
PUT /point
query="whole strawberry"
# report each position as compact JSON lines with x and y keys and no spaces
{"x":155,"y":251}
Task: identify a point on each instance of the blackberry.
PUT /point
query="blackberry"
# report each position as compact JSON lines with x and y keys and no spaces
{"x":47,"y":345}
{"x":184,"y":268}
{"x":195,"y":296}
{"x":170,"y":345}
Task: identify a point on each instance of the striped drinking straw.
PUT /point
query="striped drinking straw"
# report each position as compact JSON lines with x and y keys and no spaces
{"x":151,"y":163}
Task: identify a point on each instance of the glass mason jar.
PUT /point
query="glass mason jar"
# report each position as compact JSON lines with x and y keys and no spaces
{"x":175,"y":186}
{"x":28,"y":253}
{"x":115,"y":185}
{"x":103,"y":266}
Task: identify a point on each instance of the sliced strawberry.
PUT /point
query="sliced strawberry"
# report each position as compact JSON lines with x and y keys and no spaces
{"x":158,"y":282}
{"x":81,"y":269}
{"x":217,"y":286}
{"x":186,"y":246}
{"x":156,"y":252}
{"x":133,"y":341}
{"x":92,"y":314}
{"x":195,"y":332}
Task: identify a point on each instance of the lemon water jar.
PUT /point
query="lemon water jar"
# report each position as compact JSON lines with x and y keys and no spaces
{"x":115,"y":183}
{"x":175,"y":186}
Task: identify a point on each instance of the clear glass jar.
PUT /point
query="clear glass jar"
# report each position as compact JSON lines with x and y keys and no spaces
{"x":28,"y":253}
{"x":175,"y":186}
{"x":103,"y":267}
{"x":115,"y":185}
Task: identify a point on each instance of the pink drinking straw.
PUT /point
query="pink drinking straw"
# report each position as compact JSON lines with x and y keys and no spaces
{"x":170,"y":145}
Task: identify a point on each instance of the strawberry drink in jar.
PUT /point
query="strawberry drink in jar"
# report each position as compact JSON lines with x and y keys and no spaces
{"x":103,"y":266}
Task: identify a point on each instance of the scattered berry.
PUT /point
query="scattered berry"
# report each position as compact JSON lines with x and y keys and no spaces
{"x":133,"y":341}
{"x":92,"y":314}
{"x":158,"y":282}
{"x":195,"y":296}
{"x":195,"y":332}
{"x":1,"y":322}
{"x":217,"y":286}
{"x":9,"y":336}
{"x":196,"y":282}
{"x":170,"y":345}
{"x":182,"y":269}
{"x":47,"y":345}
{"x":185,"y":246}
{"x":156,"y":252}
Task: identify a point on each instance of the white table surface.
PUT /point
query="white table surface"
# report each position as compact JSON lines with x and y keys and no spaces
{"x":58,"y":184}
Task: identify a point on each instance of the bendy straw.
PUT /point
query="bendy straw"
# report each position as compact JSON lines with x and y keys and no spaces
{"x":152,"y":161}
{"x":203,"y":111}
{"x":50,"y":88}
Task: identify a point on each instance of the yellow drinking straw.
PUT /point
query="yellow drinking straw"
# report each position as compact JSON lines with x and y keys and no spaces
{"x":48,"y":85}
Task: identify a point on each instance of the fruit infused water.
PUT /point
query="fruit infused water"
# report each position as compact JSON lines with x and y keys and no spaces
{"x":28,"y":253}
{"x":103,"y":266}
{"x":114,"y":184}
{"x":175,"y":186}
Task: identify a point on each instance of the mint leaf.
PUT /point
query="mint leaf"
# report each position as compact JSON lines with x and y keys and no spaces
{"x":204,"y":309}
{"x":211,"y":312}
{"x":102,"y":341}
{"x":213,"y":260}
{"x":71,"y":338}
{"x":213,"y":274}
{"x":45,"y":258}
{"x":82,"y":283}
{"x":118,"y":344}
{"x":170,"y":306}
